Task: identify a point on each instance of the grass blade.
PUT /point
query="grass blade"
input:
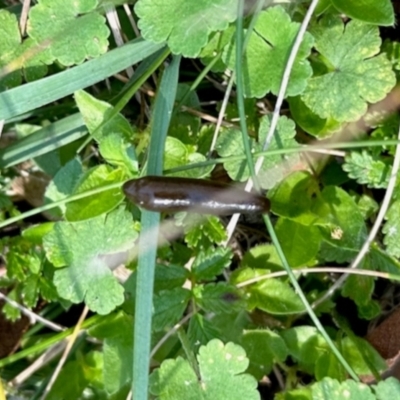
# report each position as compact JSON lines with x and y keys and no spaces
{"x":36,"y":94}
{"x":149,"y":233}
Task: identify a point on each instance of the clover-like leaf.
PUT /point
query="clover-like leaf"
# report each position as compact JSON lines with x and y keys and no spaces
{"x":354,"y":74}
{"x":184,"y":25}
{"x":55,"y":23}
{"x":87,"y":250}
{"x":267,"y":53}
{"x":221,"y":367}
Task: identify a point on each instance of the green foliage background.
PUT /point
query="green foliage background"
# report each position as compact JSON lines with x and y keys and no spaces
{"x":74,"y":115}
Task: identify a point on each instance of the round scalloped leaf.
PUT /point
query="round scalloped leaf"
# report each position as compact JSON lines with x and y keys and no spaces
{"x":89,"y":250}
{"x":57,"y":22}
{"x":332,"y":389}
{"x":267,"y":52}
{"x":378,"y":12}
{"x":8,"y":44}
{"x":222,"y":375}
{"x":184,"y":25}
{"x":15,"y":56}
{"x":354,"y":76}
{"x":311,"y":123}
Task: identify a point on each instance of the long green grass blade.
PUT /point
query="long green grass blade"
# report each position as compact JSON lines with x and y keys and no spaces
{"x":44,"y":140}
{"x":149,"y":233}
{"x":36,"y":94}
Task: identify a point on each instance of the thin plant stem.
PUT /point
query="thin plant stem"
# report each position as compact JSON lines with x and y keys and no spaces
{"x":304,"y":300}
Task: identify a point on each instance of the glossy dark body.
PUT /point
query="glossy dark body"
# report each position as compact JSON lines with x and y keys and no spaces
{"x":170,"y":194}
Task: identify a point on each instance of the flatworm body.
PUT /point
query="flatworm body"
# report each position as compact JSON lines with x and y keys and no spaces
{"x":171,"y":194}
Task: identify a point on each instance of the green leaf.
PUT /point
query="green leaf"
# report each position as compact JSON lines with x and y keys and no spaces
{"x":267,"y":53}
{"x":63,"y":183}
{"x":391,"y":229}
{"x":367,"y":205}
{"x":175,"y":379}
{"x":361,"y":355}
{"x":297,"y":394}
{"x":387,"y":389}
{"x":116,"y":332}
{"x":327,"y":365}
{"x":305,"y":345}
{"x":392,"y":51}
{"x":185,"y":26}
{"x":264,"y":348}
{"x":344,"y":231}
{"x":12,"y":313}
{"x":19,"y":57}
{"x":310,"y":122}
{"x":331,"y":389}
{"x":368,"y":169}
{"x":89,"y":249}
{"x":82,"y":373}
{"x":273,"y":170}
{"x":201,"y":330}
{"x":354,"y":74}
{"x":380,"y":260}
{"x":378,"y":12}
{"x":215,"y":45}
{"x":202,"y":232}
{"x":359,"y":288}
{"x":169,"y":277}
{"x":30,"y":290}
{"x":9,"y":48}
{"x":177,"y":154}
{"x":263,"y":257}
{"x":169,"y":306}
{"x":56,"y":22}
{"x":210,"y":263}
{"x":221,"y":366}
{"x":219,"y":298}
{"x":293,"y":197}
{"x":275,"y":297}
{"x":300,"y":243}
{"x":97,"y":204}
{"x":100,"y":117}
